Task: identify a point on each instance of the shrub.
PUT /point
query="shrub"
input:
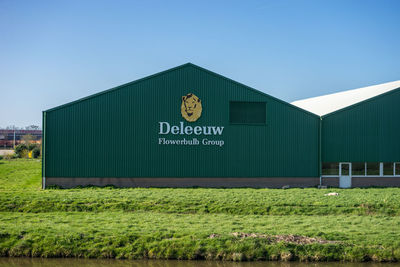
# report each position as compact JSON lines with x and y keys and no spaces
{"x":21,"y":150}
{"x":1,"y":157}
{"x":32,"y":146}
{"x":36,"y":152}
{"x":10,"y":156}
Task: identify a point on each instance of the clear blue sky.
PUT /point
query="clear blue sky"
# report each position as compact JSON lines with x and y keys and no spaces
{"x":53,"y":52}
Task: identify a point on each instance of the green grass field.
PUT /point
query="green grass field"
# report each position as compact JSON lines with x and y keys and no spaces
{"x":195,"y":223}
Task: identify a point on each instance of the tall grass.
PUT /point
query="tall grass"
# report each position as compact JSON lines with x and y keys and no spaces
{"x":187,"y":236}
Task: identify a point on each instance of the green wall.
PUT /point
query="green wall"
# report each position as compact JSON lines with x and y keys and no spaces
{"x":115,"y":133}
{"x":365,"y":132}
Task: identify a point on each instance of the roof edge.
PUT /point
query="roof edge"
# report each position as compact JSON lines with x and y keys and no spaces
{"x":361,"y":102}
{"x":173,"y":69}
{"x":349,"y":90}
{"x":254,"y":90}
{"x":117,"y":87}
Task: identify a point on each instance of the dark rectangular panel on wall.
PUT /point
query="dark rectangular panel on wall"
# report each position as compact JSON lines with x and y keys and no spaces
{"x":119,"y":132}
{"x":247,"y":112}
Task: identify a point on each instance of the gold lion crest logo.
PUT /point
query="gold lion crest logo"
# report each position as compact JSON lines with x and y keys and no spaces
{"x":191,"y":107}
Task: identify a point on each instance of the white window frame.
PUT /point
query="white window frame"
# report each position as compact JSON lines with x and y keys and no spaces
{"x":381,"y":174}
{"x":392,"y":175}
{"x":394,"y":168}
{"x":374,"y":175}
{"x":340,"y":168}
{"x":331,"y":175}
{"x":365,"y":171}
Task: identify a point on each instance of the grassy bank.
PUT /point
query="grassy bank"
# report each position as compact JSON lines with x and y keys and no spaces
{"x":197,"y":236}
{"x":227,"y":224}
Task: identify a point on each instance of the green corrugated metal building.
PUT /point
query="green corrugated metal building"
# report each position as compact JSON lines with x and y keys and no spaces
{"x":188,"y":126}
{"x":360,"y":132}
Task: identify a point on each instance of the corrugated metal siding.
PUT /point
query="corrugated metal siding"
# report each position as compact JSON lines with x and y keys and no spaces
{"x":115,"y":134}
{"x":366,"y":132}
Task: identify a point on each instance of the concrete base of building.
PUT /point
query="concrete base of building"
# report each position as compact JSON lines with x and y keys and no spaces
{"x":276,"y":182}
{"x":330,"y":181}
{"x":364,"y":181}
{"x":375,"y":181}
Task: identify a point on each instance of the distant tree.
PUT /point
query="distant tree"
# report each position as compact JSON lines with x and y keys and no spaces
{"x":27,"y":139}
{"x":32,"y":127}
{"x":13,"y":127}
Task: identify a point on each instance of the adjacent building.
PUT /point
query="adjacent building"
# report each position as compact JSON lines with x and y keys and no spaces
{"x":360,"y":134}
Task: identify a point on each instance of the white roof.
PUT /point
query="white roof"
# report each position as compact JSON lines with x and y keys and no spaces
{"x":322,"y":105}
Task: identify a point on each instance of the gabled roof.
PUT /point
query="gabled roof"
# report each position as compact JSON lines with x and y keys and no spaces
{"x":322,"y":105}
{"x":173,"y":69}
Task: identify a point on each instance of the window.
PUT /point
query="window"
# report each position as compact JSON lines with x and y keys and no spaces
{"x":397,"y":168}
{"x":247,"y":112}
{"x":358,"y":168}
{"x":388,"y":168}
{"x":373,"y":168}
{"x":330,"y":168}
{"x":345,"y":169}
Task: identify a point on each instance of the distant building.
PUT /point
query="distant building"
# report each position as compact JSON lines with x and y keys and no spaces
{"x":7,"y":137}
{"x":188,"y":126}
